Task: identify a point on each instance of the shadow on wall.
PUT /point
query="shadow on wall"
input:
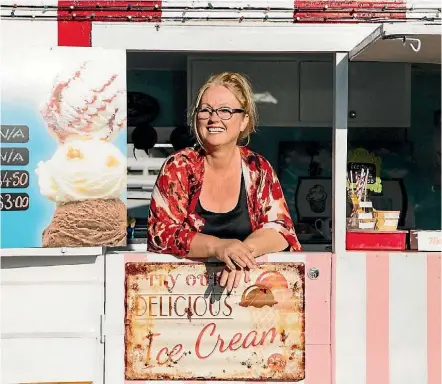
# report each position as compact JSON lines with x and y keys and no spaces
{"x":42,"y":261}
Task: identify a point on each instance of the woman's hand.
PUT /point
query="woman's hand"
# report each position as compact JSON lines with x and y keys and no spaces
{"x":231,"y":278}
{"x":234,"y":253}
{"x":265,"y":240}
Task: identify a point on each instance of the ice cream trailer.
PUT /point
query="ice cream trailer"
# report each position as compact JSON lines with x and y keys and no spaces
{"x":113,"y":313}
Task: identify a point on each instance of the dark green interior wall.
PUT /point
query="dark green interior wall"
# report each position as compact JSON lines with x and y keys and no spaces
{"x":423,"y":197}
{"x":266,"y":140}
{"x":425,"y":100}
{"x":169,"y":87}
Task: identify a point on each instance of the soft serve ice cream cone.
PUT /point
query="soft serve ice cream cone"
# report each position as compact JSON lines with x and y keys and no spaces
{"x":85,"y":178}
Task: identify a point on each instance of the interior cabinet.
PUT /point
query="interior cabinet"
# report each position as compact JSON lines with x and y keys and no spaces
{"x":378,"y":95}
{"x":300,"y":93}
{"x":316,"y":92}
{"x":275,"y":84}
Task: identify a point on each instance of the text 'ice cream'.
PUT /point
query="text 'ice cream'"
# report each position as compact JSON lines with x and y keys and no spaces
{"x":81,"y":170}
{"x":86,"y":103}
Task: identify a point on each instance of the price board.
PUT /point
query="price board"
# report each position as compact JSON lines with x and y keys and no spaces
{"x":18,"y":177}
{"x":14,"y":201}
{"x":14,"y":179}
{"x":14,"y":134}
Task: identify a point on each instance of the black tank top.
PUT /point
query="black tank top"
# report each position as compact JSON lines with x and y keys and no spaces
{"x":229,"y":225}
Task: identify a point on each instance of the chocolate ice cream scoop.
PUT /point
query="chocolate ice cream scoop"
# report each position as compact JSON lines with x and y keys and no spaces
{"x":98,"y":222}
{"x":257,"y":296}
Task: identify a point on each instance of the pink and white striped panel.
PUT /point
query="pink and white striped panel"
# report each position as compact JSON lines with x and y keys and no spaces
{"x":386,"y":318}
{"x":317,"y":311}
{"x":385,"y":322}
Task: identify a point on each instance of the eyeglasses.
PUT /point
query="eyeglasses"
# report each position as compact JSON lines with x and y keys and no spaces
{"x":224,"y":113}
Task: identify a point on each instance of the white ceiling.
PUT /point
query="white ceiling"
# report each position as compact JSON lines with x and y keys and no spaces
{"x":387,"y":44}
{"x":395,"y":50}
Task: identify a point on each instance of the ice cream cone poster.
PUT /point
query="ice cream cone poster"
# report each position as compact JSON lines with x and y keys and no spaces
{"x":181,"y":325}
{"x":63,"y":138}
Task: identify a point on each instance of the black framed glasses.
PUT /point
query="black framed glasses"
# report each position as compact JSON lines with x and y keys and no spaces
{"x":224,"y":113}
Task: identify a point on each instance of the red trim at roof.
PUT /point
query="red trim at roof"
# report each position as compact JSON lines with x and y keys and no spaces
{"x":371,"y":9}
{"x":76,"y":33}
{"x":73,"y":33}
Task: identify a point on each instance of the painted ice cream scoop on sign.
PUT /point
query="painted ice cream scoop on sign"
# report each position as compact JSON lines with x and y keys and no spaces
{"x":86,"y":176}
{"x":88,"y":103}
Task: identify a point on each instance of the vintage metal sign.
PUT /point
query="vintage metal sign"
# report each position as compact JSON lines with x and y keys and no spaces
{"x":180,"y":324}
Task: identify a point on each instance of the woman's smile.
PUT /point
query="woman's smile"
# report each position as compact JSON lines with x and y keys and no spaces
{"x":216,"y":130}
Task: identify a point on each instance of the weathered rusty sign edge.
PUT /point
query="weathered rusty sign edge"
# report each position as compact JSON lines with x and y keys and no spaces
{"x":190,"y":379}
{"x":212,"y":263}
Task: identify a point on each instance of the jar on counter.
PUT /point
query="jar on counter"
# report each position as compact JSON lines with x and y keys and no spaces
{"x":365,"y":214}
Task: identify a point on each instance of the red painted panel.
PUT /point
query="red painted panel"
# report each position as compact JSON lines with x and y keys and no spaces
{"x":376,"y":240}
{"x":344,"y":11}
{"x":75,"y":17}
{"x":73,"y":33}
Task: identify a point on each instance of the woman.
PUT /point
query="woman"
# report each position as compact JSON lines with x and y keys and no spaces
{"x":220,"y":199}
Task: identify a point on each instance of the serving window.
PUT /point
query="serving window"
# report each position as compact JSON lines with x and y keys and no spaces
{"x":393,"y":117}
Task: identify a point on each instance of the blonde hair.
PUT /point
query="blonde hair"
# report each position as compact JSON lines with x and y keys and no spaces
{"x":240,"y":86}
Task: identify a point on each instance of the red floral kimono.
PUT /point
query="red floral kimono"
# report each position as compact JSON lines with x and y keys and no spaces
{"x":173,"y":222}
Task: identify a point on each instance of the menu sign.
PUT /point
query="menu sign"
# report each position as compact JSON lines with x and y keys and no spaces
{"x":359,"y":162}
{"x":356,"y":170}
{"x":15,"y":156}
{"x":63,"y":147}
{"x":14,"y":134}
{"x":14,"y":201}
{"x":181,"y":325}
{"x":14,"y":178}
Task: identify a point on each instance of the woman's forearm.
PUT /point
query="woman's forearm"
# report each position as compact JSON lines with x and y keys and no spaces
{"x":266,"y":240}
{"x":203,"y":246}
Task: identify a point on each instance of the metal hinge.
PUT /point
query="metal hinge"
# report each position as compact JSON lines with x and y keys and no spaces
{"x":102,"y":329}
